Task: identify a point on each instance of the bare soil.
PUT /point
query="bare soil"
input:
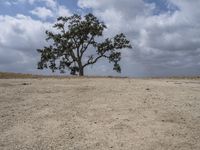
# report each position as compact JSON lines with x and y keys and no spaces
{"x":99,"y":114}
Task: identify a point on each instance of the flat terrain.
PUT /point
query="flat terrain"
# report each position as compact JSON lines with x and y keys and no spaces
{"x":99,"y":114}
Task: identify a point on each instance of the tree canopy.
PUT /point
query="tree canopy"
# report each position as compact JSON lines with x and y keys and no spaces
{"x":76,"y":45}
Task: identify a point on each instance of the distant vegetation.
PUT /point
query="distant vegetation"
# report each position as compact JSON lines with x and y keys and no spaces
{"x":8,"y":75}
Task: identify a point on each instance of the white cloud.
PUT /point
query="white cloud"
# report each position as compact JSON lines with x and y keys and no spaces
{"x":22,"y":35}
{"x":19,"y":41}
{"x":42,"y":12}
{"x":55,"y":11}
{"x":164,"y":44}
{"x":167,"y":43}
{"x":51,"y":4}
{"x":63,"y":11}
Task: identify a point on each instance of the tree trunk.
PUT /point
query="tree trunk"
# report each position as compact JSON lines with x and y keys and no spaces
{"x":81,"y":72}
{"x":81,"y":68}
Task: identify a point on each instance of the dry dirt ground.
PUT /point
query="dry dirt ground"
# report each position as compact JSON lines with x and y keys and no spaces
{"x":99,"y":114}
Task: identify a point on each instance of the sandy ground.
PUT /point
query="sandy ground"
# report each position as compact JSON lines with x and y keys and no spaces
{"x":99,"y":114}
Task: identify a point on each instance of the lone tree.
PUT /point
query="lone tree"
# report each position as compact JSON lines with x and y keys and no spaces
{"x":75,"y":45}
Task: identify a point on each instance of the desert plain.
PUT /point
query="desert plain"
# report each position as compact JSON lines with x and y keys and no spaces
{"x":99,"y":114}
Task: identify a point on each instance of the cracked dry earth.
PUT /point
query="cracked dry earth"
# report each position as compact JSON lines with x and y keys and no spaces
{"x":99,"y":114}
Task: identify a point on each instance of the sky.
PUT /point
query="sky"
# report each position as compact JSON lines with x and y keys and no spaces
{"x":165,"y":34}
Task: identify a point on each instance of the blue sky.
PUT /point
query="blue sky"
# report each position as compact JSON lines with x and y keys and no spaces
{"x":13,"y":7}
{"x":164,"y":33}
{"x":6,"y":9}
{"x":162,"y":6}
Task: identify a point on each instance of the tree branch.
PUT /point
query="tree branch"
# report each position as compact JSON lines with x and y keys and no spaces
{"x":90,"y":62}
{"x":77,"y":47}
{"x":84,"y":49}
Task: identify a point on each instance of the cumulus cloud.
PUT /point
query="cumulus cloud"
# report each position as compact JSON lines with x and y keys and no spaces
{"x":18,"y":42}
{"x":166,"y":43}
{"x":63,"y":11}
{"x":22,"y":35}
{"x":42,"y":12}
{"x":48,"y":3}
{"x":53,"y":12}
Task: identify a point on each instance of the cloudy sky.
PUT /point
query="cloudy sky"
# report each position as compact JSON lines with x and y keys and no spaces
{"x":165,"y":34}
